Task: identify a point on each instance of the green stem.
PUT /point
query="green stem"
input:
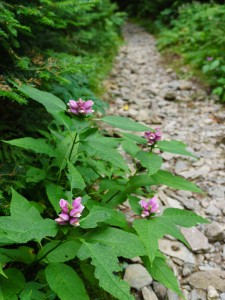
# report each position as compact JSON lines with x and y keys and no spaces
{"x":71,"y":150}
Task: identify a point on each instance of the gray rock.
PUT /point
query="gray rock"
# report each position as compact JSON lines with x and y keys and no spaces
{"x":176,"y":249}
{"x":197,"y":241}
{"x":214,"y":232}
{"x":213,"y":210}
{"x":172,"y":296}
{"x":222,"y":296}
{"x":160,"y":290}
{"x":197,"y":295}
{"x":137,"y":276}
{"x":181,"y":165}
{"x":170,"y":96}
{"x":148,"y":294}
{"x":202,"y":279}
{"x":212,"y":293}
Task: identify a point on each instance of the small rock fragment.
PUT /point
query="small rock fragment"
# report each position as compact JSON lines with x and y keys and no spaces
{"x":197,"y":241}
{"x":212,"y":293}
{"x":148,"y":294}
{"x":137,"y":276}
{"x":214,"y":232}
{"x":202,"y":279}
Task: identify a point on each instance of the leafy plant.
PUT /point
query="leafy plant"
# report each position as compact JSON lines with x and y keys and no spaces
{"x":80,"y":175}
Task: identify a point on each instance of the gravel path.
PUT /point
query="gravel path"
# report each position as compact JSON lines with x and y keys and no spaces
{"x":142,"y":88}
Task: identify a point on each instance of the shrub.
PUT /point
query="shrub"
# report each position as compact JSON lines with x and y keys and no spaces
{"x":199,"y":35}
{"x":79,"y":174}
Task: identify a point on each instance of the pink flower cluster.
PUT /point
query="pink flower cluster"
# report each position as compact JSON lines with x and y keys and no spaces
{"x":80,"y":107}
{"x":149,"y":207}
{"x":70,"y":214}
{"x":153,"y":137}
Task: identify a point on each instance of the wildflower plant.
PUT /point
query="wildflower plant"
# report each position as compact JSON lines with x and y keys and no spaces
{"x":66,"y":240}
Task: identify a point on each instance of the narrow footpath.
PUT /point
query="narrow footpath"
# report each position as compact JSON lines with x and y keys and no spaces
{"x":142,"y":88}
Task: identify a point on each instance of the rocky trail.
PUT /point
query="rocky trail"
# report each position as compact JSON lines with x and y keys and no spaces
{"x":142,"y":88}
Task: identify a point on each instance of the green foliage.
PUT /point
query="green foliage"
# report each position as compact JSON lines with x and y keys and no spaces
{"x":48,"y":42}
{"x":198,"y":35}
{"x":75,"y":158}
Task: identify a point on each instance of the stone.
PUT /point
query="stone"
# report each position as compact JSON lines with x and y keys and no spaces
{"x":181,"y":165}
{"x":187,"y":269}
{"x":176,"y":249}
{"x":213,"y":210}
{"x":215,"y":232}
{"x":197,"y":241}
{"x":212,"y":293}
{"x":222,"y":296}
{"x":148,"y":294}
{"x":160,"y":290}
{"x":137,"y":276}
{"x":170,"y":96}
{"x":202,"y":279}
{"x":172,"y":295}
{"x":197,"y":295}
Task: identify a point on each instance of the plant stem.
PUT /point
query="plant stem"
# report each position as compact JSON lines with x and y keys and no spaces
{"x":71,"y":150}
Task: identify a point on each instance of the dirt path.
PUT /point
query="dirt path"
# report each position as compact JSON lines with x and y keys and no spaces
{"x":142,"y":88}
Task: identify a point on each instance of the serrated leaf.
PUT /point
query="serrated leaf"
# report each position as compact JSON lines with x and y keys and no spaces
{"x":52,"y":103}
{"x":135,"y":138}
{"x":106,"y":262}
{"x":35,"y":175}
{"x":130,"y":147}
{"x":150,"y":231}
{"x":176,"y":147}
{"x":65,"y":282}
{"x":36,"y":145}
{"x":163,"y":274}
{"x":173,"y":181}
{"x":12,"y":285}
{"x":74,"y":177}
{"x":20,"y":206}
{"x":105,"y":153}
{"x":58,"y":251}
{"x":97,"y":214}
{"x":54,"y":193}
{"x":151,"y":161}
{"x":124,"y":123}
{"x":181,"y":217}
{"x":27,"y":229}
{"x":123,"y":243}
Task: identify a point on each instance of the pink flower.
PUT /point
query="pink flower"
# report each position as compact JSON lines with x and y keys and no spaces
{"x":80,"y":107}
{"x":70,"y":214}
{"x":149,"y":207}
{"x":153,"y":137}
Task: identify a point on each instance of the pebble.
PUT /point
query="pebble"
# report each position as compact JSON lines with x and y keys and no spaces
{"x":145,"y":89}
{"x":203,"y":279}
{"x":137,"y":276}
{"x":148,"y":294}
{"x":212,"y":293}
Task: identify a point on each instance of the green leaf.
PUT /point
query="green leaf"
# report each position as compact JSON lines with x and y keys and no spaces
{"x":135,"y":138}
{"x":36,"y":145}
{"x":176,"y":182}
{"x":22,"y":254}
{"x":181,"y":217}
{"x":176,"y":147}
{"x":20,"y":207}
{"x":1,"y":271}
{"x":52,"y":103}
{"x":138,"y":181}
{"x":104,"y":152}
{"x":151,"y":161}
{"x":74,"y":177}
{"x":106,"y":263}
{"x":124,"y":123}
{"x":54,"y":193}
{"x":130,"y":147}
{"x":27,"y":229}
{"x":12,"y":285}
{"x":60,"y":252}
{"x":97,"y":214}
{"x":65,"y":282}
{"x":150,"y":231}
{"x":31,"y":291}
{"x":123,"y":243}
{"x":135,"y":206}
{"x":35,"y":175}
{"x":162,"y":273}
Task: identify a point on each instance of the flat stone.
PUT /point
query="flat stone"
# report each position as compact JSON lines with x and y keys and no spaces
{"x":137,"y":276}
{"x":197,"y":241}
{"x":202,"y":279}
{"x":148,"y":294}
{"x":181,"y":165}
{"x":213,"y":210}
{"x":176,"y":249}
{"x":160,"y":290}
{"x":222,"y":296}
